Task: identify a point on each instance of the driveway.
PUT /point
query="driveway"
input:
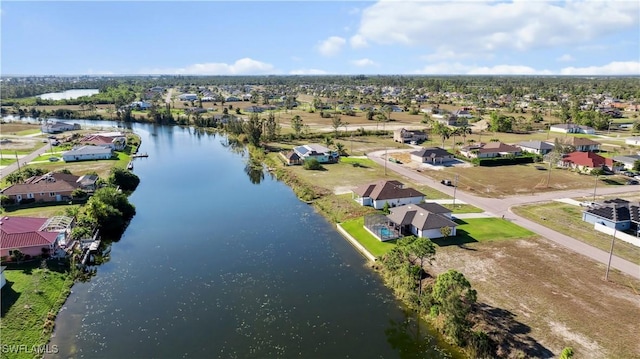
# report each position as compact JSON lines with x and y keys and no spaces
{"x":502,"y":206}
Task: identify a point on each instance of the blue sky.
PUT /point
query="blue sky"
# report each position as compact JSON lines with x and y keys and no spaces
{"x":329,"y":37}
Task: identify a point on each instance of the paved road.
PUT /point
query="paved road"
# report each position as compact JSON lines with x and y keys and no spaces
{"x":168,"y":99}
{"x":502,"y":207}
{"x":23,"y":160}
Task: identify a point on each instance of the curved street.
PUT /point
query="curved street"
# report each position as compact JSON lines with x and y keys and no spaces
{"x":502,"y":206}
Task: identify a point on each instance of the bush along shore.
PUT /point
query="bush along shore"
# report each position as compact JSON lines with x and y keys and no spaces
{"x":37,"y":289}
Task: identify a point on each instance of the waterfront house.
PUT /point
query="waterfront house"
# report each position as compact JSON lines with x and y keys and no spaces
{"x":537,"y":147}
{"x":432,"y":155}
{"x":317,"y":151}
{"x":32,"y":236}
{"x":291,"y":158}
{"x":88,"y":152}
{"x":52,"y":126}
{"x":51,"y":187}
{"x":422,"y":220}
{"x":117,"y":143}
{"x":394,"y":193}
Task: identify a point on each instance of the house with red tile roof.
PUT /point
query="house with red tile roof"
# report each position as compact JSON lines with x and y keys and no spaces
{"x":117,"y":143}
{"x":31,"y":236}
{"x":586,"y":161}
{"x":393,"y":192}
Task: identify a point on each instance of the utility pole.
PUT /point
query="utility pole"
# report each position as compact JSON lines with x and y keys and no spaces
{"x":385,"y":161}
{"x":455,"y":187}
{"x":615,"y":229}
{"x":594,"y":189}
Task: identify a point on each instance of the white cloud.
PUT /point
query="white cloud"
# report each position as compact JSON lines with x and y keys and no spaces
{"x":456,"y":68}
{"x":490,"y":25}
{"x":613,"y":68}
{"x":445,"y":54}
{"x":565,"y":58}
{"x":99,"y":72}
{"x":363,"y":62}
{"x":331,"y":46}
{"x":358,"y":41}
{"x":307,"y":72}
{"x":244,"y":66}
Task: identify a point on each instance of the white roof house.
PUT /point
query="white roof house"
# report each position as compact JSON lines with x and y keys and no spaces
{"x":84,"y":153}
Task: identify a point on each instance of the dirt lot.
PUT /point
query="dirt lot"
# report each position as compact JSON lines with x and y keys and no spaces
{"x":552,"y":297}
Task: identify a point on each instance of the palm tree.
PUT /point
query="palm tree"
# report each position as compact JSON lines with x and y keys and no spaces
{"x":464,"y":130}
{"x":454,"y":132}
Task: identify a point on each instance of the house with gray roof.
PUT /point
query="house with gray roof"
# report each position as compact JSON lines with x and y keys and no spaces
{"x":393,"y":192}
{"x":537,"y":147}
{"x":317,"y":151}
{"x":422,"y":220}
{"x":432,"y":155}
{"x":617,"y":213}
{"x":627,"y":160}
{"x":85,"y":153}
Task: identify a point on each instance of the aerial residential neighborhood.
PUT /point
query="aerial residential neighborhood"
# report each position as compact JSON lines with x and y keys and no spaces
{"x":381,"y":175}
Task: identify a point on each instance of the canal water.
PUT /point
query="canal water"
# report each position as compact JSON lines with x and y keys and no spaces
{"x":220,"y":264}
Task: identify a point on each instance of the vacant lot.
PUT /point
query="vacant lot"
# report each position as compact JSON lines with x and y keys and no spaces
{"x":551,"y":297}
{"x":567,"y":219}
{"x":516,"y":179}
{"x":14,"y":128}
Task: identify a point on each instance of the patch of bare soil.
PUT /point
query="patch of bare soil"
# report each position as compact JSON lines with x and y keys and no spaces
{"x":548,"y":298}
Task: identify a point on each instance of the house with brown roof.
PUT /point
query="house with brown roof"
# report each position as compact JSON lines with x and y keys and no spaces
{"x":51,"y":187}
{"x":489,"y":150}
{"x":291,"y":158}
{"x":32,"y":236}
{"x":393,"y":192}
{"x":422,"y":220}
{"x":587,"y":161}
{"x":583,"y":144}
{"x":403,"y":135}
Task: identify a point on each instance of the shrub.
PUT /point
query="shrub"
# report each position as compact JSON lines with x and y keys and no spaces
{"x":567,"y":353}
{"x":312,"y":164}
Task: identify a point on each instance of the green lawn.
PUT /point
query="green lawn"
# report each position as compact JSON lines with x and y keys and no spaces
{"x":41,"y":211}
{"x":28,"y":132}
{"x":47,"y":155}
{"x":31,"y":299}
{"x":482,"y":230}
{"x":6,"y":161}
{"x":364,"y":162}
{"x":356,"y":229}
{"x":462,"y":208}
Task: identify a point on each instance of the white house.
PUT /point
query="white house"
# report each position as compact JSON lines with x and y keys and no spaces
{"x":627,"y":160}
{"x":141,"y":105}
{"x":317,"y":151}
{"x":188,"y":97}
{"x":634,"y":141}
{"x":538,"y":147}
{"x":84,"y":153}
{"x":572,"y":128}
{"x":393,"y":192}
{"x":58,"y":127}
{"x":422,"y":220}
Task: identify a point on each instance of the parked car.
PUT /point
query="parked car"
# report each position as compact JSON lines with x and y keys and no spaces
{"x":54,"y":159}
{"x":447,"y":182}
{"x":632,"y":182}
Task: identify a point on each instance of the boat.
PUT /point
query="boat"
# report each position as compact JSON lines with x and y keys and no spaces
{"x":130,"y":165}
{"x":140,"y":155}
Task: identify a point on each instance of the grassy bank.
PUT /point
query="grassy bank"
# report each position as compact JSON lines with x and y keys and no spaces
{"x":31,"y":299}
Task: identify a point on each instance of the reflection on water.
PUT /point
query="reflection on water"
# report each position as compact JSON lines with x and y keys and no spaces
{"x":69,"y":94}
